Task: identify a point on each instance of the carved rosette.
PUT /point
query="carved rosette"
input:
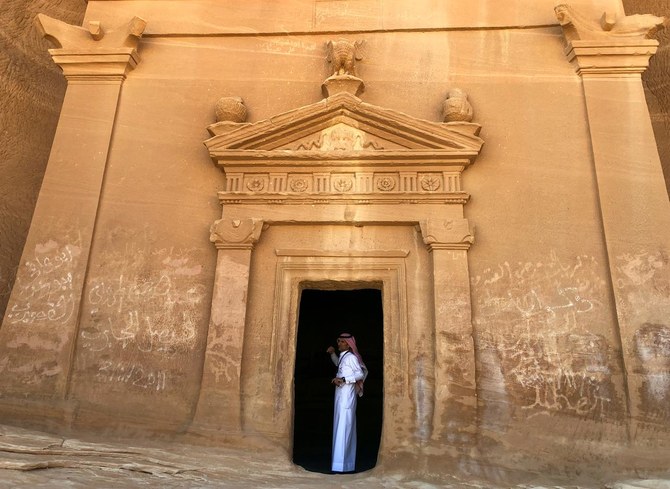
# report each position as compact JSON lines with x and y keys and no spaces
{"x":255,"y":184}
{"x":343,"y":184}
{"x":385,"y":184}
{"x":299,"y":185}
{"x":452,"y":234}
{"x":430,"y":183}
{"x":236,"y":234}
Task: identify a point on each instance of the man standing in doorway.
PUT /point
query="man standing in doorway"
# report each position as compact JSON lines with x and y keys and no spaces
{"x":351,"y":373}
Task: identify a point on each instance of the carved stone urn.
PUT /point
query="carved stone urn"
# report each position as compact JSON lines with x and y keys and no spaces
{"x":456,"y":107}
{"x":231,"y":109}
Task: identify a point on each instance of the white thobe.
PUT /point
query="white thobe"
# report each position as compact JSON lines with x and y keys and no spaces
{"x":344,"y":418}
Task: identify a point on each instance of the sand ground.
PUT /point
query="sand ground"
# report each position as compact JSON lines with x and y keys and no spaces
{"x":31,"y":459}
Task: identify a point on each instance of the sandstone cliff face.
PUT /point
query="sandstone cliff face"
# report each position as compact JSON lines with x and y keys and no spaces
{"x":31,"y":94}
{"x":32,"y":89}
{"x":657,"y":79}
{"x":122,"y":342}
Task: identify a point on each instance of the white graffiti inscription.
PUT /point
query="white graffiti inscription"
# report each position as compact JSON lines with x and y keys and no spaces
{"x":131,"y":374}
{"x":47,"y":293}
{"x":536,"y":318}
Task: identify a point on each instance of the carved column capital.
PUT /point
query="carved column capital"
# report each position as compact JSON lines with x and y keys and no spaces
{"x":439,"y":234}
{"x":235,"y":234}
{"x":611,"y":46}
{"x":92,"y":54}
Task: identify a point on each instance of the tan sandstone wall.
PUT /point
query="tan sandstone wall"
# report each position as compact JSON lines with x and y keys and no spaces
{"x":31,"y":93}
{"x":151,"y":262}
{"x":550,"y":366}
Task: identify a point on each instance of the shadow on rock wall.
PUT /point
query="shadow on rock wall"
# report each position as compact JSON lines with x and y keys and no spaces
{"x":657,"y":86}
{"x":31,"y":95}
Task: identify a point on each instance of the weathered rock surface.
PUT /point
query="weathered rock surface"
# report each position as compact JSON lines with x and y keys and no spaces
{"x":31,"y":94}
{"x":541,"y":348}
{"x":657,"y":79}
{"x":31,"y":459}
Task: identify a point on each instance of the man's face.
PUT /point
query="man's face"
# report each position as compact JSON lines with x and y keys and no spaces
{"x":342,"y":345}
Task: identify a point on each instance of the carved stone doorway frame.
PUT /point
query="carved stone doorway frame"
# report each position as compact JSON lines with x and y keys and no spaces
{"x":342,"y":162}
{"x":300,"y":269}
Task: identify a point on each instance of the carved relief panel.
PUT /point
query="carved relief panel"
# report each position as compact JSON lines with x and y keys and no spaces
{"x":342,"y":161}
{"x":342,"y":149}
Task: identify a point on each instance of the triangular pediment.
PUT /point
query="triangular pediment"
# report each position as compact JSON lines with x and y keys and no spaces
{"x":342,"y":124}
{"x":342,"y":150}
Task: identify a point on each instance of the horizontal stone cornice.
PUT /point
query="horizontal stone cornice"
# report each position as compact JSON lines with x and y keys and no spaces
{"x":372,"y":199}
{"x":102,"y":64}
{"x":611,"y":57}
{"x":229,"y":159}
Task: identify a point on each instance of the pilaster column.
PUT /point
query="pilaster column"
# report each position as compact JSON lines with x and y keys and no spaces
{"x":610,"y":56}
{"x":454,"y":414}
{"x":219,"y":404}
{"x":38,"y":334}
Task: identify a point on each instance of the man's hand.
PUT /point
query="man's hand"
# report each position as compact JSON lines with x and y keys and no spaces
{"x":330,"y":350}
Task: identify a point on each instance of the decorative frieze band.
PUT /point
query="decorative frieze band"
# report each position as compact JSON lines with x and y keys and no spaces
{"x":237,"y":234}
{"x":345,"y":182}
{"x":343,"y":150}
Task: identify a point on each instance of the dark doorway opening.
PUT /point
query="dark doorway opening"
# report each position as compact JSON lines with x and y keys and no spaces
{"x":324,"y":314}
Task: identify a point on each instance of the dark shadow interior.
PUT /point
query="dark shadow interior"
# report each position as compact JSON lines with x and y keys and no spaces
{"x":324,"y":314}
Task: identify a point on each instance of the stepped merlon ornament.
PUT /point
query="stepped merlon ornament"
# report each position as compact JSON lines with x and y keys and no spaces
{"x":66,"y":36}
{"x":92,"y":53}
{"x":456,"y":107}
{"x":611,"y":46}
{"x":578,"y":27}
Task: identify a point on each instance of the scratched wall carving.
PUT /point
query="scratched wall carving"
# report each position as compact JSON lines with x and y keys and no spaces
{"x":652,"y":343}
{"x":144,"y":320}
{"x":544,"y":339}
{"x":36,"y":322}
{"x":644,"y":284}
{"x":47,"y":296}
{"x":32,"y":94}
